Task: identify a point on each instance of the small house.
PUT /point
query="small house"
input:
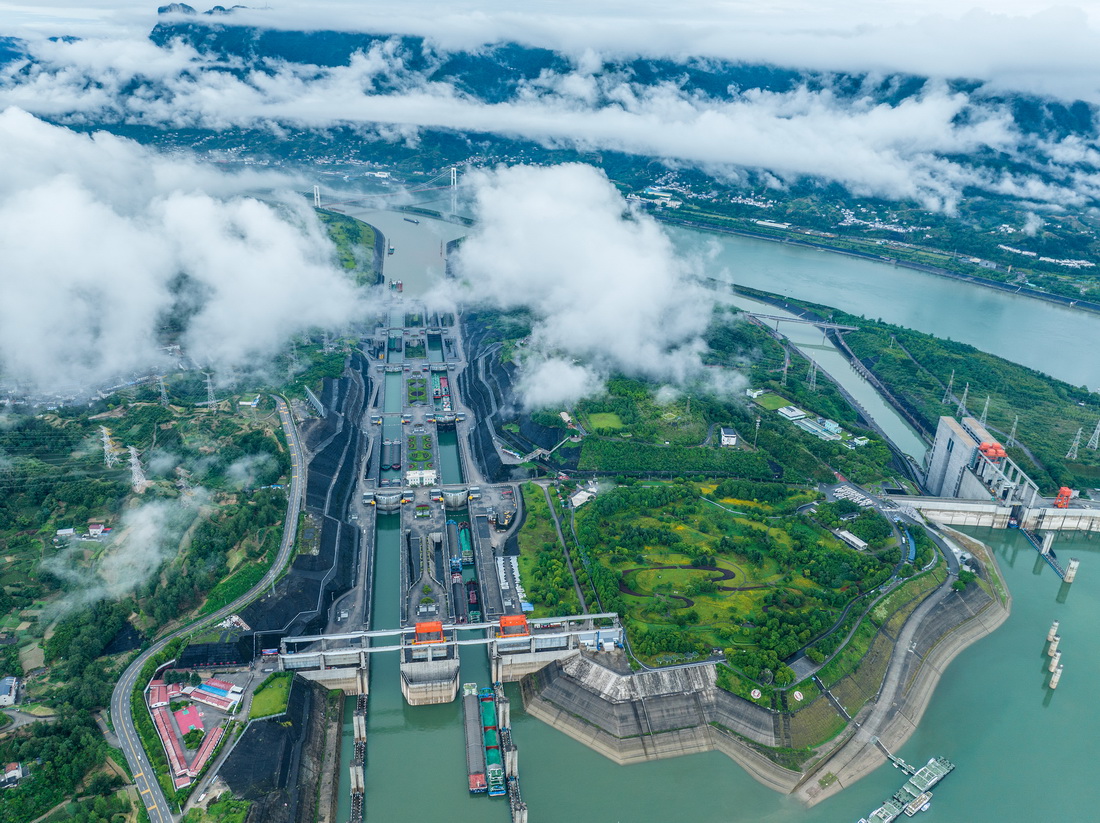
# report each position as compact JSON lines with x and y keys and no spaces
{"x":728,"y":437}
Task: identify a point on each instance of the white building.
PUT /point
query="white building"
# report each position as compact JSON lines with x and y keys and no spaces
{"x":425,"y":477}
{"x":755,"y":393}
{"x":792,"y":413}
{"x":728,"y":437}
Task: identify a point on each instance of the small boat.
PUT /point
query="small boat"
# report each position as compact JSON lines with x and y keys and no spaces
{"x":410,"y":220}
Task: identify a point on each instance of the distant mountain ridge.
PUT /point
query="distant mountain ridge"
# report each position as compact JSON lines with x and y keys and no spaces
{"x":497,"y":73}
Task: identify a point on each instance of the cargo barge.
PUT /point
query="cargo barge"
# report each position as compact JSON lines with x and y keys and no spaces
{"x":916,"y":794}
{"x":494,"y":763}
{"x":475,"y":744}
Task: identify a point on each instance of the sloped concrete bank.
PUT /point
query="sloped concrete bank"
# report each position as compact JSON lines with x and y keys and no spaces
{"x":630,"y":718}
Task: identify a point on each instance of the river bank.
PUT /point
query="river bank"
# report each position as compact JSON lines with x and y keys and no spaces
{"x":910,"y":683}
{"x":978,"y":280}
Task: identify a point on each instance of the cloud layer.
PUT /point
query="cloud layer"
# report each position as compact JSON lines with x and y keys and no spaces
{"x":927,"y":143}
{"x":104,"y":245}
{"x":1034,"y":45}
{"x":603,"y":281}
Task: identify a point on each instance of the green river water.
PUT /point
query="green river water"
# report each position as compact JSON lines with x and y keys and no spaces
{"x":1023,"y":753}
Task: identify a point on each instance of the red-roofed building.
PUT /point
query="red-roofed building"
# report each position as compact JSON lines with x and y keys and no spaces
{"x":224,"y":685}
{"x":205,"y":750}
{"x":222,"y":703}
{"x":158,"y":695}
{"x":177,"y":763}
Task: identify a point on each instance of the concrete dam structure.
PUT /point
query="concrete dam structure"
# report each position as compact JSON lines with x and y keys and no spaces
{"x":630,"y":718}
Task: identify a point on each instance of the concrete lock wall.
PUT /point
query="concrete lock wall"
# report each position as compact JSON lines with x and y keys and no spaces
{"x":429,"y":682}
{"x":347,"y":680}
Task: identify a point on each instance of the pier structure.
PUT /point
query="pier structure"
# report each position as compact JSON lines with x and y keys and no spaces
{"x":1044,"y":549}
{"x":1056,"y":677}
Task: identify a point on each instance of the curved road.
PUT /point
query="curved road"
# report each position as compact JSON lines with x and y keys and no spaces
{"x":145,"y":779}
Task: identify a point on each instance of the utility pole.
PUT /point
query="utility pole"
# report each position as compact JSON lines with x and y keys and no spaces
{"x":163,"y":391}
{"x":985,"y":411}
{"x":1012,"y":434}
{"x":813,"y":375}
{"x":756,"y":434}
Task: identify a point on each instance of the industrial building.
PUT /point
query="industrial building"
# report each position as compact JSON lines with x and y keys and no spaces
{"x":968,"y":462}
{"x":728,"y":437}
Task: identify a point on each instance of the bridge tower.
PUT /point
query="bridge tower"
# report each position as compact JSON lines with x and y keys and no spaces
{"x":316,"y":197}
{"x":454,"y":189}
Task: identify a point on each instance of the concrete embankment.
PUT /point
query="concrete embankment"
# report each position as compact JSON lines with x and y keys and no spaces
{"x":941,"y":628}
{"x":630,"y":718}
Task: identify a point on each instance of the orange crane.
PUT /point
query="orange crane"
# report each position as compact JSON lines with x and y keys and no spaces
{"x":1065,"y":494}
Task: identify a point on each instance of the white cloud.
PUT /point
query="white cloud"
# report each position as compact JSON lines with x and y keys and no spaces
{"x":602,"y":280}
{"x":101,"y":240}
{"x":146,"y":537}
{"x":902,"y":150}
{"x":1036,"y":45}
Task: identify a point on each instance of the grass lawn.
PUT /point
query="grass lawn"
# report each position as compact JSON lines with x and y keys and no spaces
{"x":272,"y":696}
{"x":772,"y":402}
{"x":605,"y":420}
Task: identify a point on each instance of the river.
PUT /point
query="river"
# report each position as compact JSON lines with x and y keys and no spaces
{"x":1023,"y":753}
{"x":1054,"y":339}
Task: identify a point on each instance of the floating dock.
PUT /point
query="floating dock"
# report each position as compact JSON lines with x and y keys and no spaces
{"x":475,"y":751}
{"x":916,"y":794}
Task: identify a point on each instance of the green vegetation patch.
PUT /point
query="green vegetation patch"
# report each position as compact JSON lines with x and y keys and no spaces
{"x":354,"y":241}
{"x":604,"y":420}
{"x":772,"y":402}
{"x":543,"y":570}
{"x":691,"y":576}
{"x":272,"y":696}
{"x":223,"y":810}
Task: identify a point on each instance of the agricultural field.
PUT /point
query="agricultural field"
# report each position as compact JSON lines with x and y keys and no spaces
{"x":693,"y":576}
